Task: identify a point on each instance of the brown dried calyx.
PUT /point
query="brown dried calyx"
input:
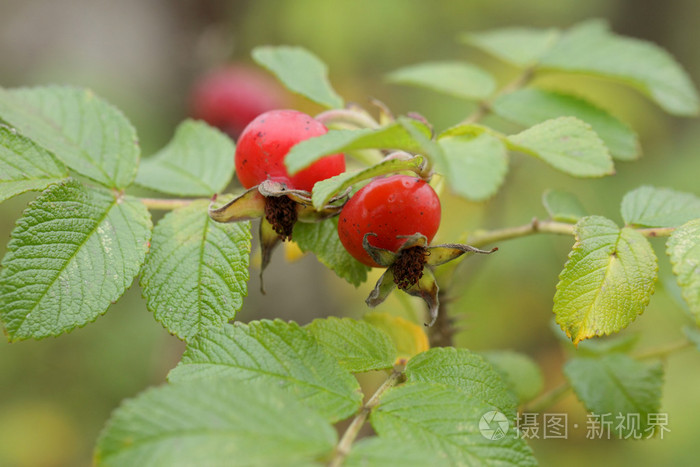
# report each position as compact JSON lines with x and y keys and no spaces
{"x":408,"y":268}
{"x":281,"y":213}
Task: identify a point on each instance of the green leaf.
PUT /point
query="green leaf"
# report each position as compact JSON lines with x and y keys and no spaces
{"x":198,"y":161}
{"x":591,"y":48}
{"x":519,"y":46}
{"x":392,"y":136}
{"x":25,"y":166}
{"x":300,"y":71}
{"x":322,"y":239}
{"x":379,"y":452}
{"x":356,"y":345}
{"x":223,"y":422}
{"x":532,"y":106}
{"x":326,"y":189}
{"x":458,"y":79}
{"x":607,"y":281}
{"x":196,"y":273}
{"x":520,"y":373}
{"x":444,"y":422}
{"x":684,"y":249}
{"x":618,"y":385}
{"x":464,"y":371}
{"x":647,"y":206}
{"x":89,"y":135}
{"x":474,"y":167}
{"x":566,"y":143}
{"x":73,"y":252}
{"x":563,"y":206}
{"x":276,"y":353}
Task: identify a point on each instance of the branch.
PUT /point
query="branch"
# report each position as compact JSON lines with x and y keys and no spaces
{"x":485,"y":105}
{"x":345,"y":443}
{"x":165,"y":204}
{"x":548,"y":399}
{"x":483,"y":238}
{"x":535,"y":226}
{"x":663,"y":350}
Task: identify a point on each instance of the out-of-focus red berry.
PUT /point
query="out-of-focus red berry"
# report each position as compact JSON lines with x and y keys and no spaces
{"x":230,"y":97}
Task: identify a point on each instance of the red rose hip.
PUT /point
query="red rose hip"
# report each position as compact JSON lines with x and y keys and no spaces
{"x":265,"y":142}
{"x":391,"y":207}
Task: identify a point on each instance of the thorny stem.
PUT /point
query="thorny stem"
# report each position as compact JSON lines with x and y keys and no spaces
{"x":343,"y":448}
{"x":165,"y":204}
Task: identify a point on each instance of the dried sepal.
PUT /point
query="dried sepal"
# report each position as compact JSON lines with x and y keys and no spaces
{"x":382,"y":257}
{"x":308,"y":213}
{"x":272,"y":188}
{"x":384,"y":286}
{"x":250,"y":205}
{"x":427,"y":289}
{"x":440,"y":254}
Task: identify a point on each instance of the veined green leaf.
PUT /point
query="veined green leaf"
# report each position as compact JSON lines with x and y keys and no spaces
{"x":519,"y":46}
{"x":532,"y":106}
{"x":474,"y":167}
{"x":392,"y":136}
{"x":357,"y":345}
{"x":276,"y":353}
{"x":25,"y":166}
{"x":591,"y":48}
{"x":648,"y":206}
{"x":607,"y":281}
{"x":196,"y":273}
{"x":458,"y":79}
{"x":452,"y":426}
{"x":380,"y":452}
{"x":684,"y":249}
{"x":567,"y":144}
{"x":222,"y":422}
{"x":321,"y":238}
{"x":198,"y":161}
{"x":563,"y":206}
{"x":73,"y":252}
{"x":300,"y":71}
{"x":519,"y":372}
{"x":83,"y":131}
{"x":326,"y":189}
{"x":463,"y":371}
{"x":620,"y":388}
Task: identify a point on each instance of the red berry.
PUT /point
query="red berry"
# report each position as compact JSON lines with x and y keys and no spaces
{"x":230,"y":97}
{"x":265,"y":142}
{"x":388,"y":207}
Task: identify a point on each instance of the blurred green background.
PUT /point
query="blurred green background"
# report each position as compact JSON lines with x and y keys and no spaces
{"x":143,"y":56}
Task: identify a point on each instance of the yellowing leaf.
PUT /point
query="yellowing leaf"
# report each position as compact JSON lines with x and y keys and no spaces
{"x":607,"y":281}
{"x":409,"y":338}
